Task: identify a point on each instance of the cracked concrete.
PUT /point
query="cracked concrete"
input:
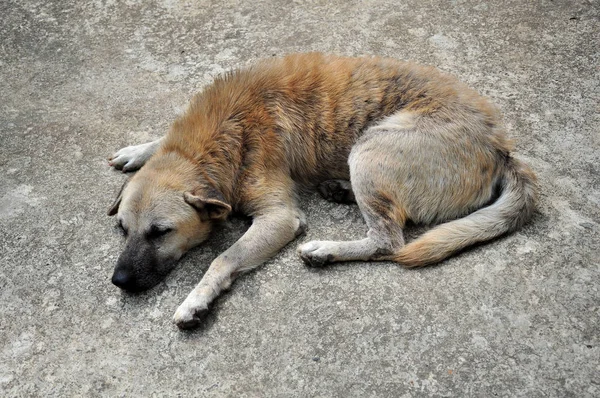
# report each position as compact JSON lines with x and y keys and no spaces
{"x":516,"y":317}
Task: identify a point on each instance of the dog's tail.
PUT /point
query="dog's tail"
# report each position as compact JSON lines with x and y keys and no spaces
{"x":511,"y":210}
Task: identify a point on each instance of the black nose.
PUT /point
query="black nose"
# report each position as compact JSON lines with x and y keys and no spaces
{"x":123,"y":279}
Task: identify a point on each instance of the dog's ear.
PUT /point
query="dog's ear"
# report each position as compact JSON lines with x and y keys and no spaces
{"x":210,"y":203}
{"x":115,"y":206}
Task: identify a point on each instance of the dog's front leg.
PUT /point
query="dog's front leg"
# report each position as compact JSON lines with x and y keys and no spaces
{"x":133,"y":157}
{"x":265,"y":237}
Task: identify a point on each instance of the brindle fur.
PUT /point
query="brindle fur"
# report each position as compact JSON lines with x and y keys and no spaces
{"x":415,"y":144}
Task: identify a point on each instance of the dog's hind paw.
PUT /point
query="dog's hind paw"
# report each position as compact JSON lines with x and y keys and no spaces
{"x":187,"y":318}
{"x":316,"y":253}
{"x":339,"y":191}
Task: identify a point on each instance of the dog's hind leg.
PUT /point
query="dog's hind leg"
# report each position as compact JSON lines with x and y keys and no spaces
{"x":269,"y":232}
{"x":133,"y":157}
{"x":385,"y":221}
{"x":375,"y":185}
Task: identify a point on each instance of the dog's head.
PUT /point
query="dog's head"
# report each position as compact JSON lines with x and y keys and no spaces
{"x":163,"y":214}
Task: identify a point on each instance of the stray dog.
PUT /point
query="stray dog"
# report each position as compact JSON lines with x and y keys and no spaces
{"x":404,"y":142}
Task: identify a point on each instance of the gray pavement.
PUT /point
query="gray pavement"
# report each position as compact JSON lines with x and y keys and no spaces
{"x":516,"y":317}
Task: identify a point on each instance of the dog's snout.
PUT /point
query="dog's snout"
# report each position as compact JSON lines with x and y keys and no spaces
{"x":139,"y":267}
{"x":123,"y":279}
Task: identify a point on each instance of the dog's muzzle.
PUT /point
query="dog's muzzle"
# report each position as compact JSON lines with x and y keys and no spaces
{"x":138,"y":267}
{"x":123,"y":279}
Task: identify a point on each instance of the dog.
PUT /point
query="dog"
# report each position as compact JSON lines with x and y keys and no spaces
{"x":404,"y":142}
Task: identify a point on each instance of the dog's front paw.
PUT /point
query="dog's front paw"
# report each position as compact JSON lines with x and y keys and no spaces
{"x":316,"y":253}
{"x":130,"y":158}
{"x":188,"y":316}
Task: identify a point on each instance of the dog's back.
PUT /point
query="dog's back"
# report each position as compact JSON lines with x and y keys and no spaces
{"x":305,"y":112}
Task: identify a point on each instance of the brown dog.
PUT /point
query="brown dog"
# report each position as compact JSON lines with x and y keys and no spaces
{"x":405,"y":142}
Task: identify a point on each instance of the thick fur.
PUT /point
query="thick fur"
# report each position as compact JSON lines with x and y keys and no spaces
{"x":414,"y":143}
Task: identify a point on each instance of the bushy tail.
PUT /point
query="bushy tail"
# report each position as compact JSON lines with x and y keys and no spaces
{"x":510,"y":211}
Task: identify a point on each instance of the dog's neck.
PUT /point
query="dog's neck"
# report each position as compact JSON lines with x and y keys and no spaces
{"x":198,"y":165}
{"x":210,"y":135}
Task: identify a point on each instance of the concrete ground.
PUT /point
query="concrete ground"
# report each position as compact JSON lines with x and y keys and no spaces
{"x":516,"y":317}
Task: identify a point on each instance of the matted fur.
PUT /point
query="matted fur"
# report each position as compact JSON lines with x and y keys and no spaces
{"x":415,"y":144}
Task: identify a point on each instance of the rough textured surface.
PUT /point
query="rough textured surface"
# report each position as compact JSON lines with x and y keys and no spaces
{"x":516,"y":317}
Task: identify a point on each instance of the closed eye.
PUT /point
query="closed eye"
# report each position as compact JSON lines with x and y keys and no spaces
{"x":121,"y":228}
{"x":158,"y":231}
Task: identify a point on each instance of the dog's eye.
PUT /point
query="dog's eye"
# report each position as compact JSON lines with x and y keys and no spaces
{"x":157,"y":232}
{"x":121,"y":228}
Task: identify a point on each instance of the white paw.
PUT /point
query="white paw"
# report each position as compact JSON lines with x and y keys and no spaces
{"x":132,"y":157}
{"x":189,"y":315}
{"x":317,"y":253}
